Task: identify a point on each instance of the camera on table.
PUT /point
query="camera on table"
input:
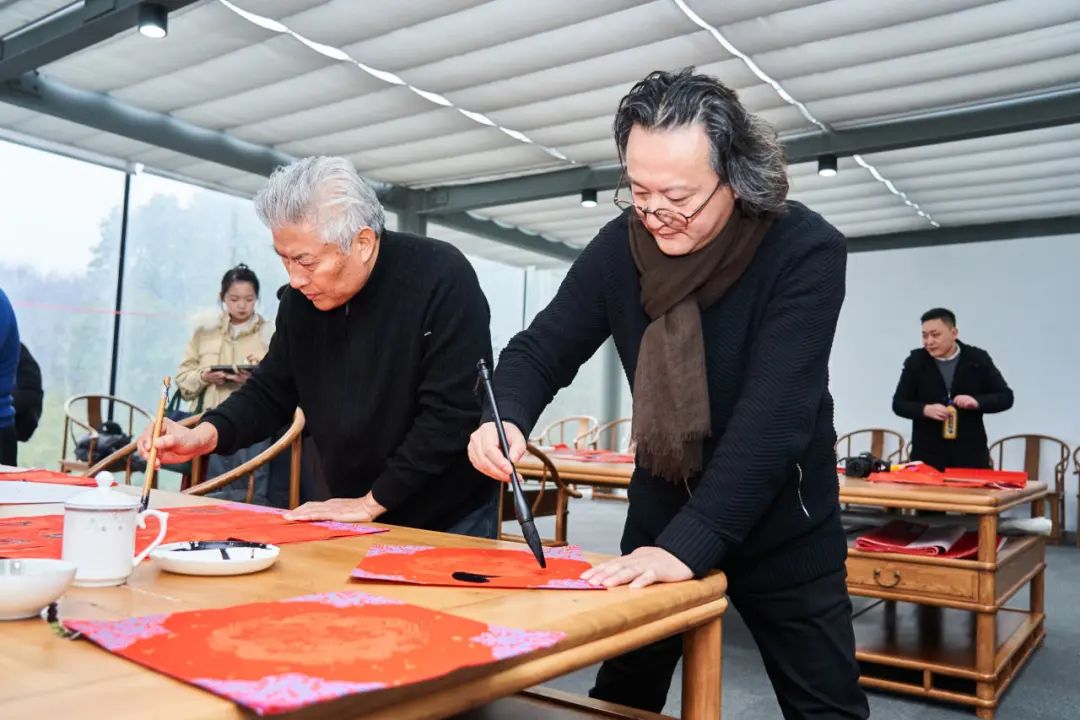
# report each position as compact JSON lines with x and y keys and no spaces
{"x":863,"y":464}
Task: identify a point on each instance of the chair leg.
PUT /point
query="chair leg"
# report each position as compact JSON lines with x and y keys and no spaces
{"x":1055,"y":519}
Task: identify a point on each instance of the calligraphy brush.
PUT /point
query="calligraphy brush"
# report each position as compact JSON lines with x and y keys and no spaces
{"x":151,"y":461}
{"x":521,"y":508}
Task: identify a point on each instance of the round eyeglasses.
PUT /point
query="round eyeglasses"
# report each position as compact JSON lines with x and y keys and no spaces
{"x":671,"y":218}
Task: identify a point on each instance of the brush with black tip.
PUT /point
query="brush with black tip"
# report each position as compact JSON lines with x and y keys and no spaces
{"x":521,"y":508}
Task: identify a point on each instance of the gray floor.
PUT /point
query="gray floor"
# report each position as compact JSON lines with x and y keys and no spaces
{"x":1047,"y":689}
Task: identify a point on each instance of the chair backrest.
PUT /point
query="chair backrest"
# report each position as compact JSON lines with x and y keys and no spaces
{"x":886,"y":444}
{"x":291,"y":439}
{"x":613,"y":435}
{"x":544,"y":501}
{"x":1076,"y":463}
{"x":83,"y":414}
{"x":1004,"y":456}
{"x":127,"y":452}
{"x":568,"y":430}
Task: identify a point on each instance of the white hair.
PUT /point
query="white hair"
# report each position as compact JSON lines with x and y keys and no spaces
{"x":325,"y":193}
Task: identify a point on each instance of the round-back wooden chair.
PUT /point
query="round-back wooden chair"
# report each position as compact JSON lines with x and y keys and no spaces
{"x":1033,"y":445}
{"x":544,"y":502}
{"x":83,"y":414}
{"x":291,"y":439}
{"x":1076,"y":465}
{"x":884,"y":443}
{"x":613,"y":435}
{"x":126,"y":453}
{"x":567,"y":431}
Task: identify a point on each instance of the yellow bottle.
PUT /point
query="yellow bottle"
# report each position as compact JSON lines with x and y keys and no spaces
{"x":948,"y":425}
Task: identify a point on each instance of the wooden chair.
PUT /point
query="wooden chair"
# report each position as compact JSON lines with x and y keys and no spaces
{"x":610,"y":436}
{"x":194,"y":469}
{"x":568,"y":431}
{"x":613,"y":435}
{"x":1033,"y":445}
{"x":85,"y":413}
{"x":290,"y":440}
{"x":543,"y":501}
{"x":1076,"y":465}
{"x":881,"y":440}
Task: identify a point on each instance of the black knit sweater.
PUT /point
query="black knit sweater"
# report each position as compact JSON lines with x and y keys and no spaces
{"x":386,"y":382}
{"x":765,"y":508}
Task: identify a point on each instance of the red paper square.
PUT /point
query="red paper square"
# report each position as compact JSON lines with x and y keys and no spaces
{"x":280,"y":656}
{"x":475,"y":567}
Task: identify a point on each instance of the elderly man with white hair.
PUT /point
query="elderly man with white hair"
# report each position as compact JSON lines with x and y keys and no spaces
{"x":377,"y":340}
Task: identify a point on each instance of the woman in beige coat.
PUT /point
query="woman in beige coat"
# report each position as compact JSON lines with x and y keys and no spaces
{"x":238,"y":336}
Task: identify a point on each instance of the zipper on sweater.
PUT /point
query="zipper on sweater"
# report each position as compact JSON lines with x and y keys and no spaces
{"x":687,"y":484}
{"x":798,"y":489}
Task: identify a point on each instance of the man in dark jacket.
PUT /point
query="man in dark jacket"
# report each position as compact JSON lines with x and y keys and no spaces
{"x":945,"y":372}
{"x":377,"y":340}
{"x":28,"y":395}
{"x":722,"y":299}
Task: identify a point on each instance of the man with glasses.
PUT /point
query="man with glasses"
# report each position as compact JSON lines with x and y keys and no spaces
{"x":377,"y":341}
{"x":722,"y":299}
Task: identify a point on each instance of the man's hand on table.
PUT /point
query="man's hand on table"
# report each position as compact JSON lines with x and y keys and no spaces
{"x":363,"y":509}
{"x":644,"y":566}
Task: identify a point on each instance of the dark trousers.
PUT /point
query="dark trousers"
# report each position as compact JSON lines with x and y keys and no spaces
{"x":806,"y":640}
{"x":9,"y":446}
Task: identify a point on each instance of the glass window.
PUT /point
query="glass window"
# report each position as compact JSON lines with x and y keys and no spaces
{"x":60,"y":234}
{"x":585,"y":395}
{"x":181,"y":241}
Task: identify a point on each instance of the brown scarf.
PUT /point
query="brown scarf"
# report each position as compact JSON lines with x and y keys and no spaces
{"x":671,"y":392}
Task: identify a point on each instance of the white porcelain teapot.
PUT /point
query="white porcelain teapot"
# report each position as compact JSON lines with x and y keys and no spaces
{"x":99,"y":534}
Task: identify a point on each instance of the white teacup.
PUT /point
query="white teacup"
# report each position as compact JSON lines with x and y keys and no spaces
{"x":99,"y":534}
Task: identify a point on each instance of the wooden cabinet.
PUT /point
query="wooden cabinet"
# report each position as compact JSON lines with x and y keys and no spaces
{"x":940,"y":627}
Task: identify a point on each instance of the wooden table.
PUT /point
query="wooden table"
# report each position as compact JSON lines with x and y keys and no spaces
{"x":580,"y":472}
{"x":941,"y":628}
{"x":48,"y":677}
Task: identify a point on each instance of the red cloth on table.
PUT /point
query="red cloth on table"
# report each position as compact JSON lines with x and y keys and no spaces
{"x":41,"y":536}
{"x":47,"y":476}
{"x":920,"y":474}
{"x":907,"y":538}
{"x":609,"y":456}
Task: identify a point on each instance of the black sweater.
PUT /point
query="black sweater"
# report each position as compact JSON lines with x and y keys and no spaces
{"x":921,"y":384}
{"x":765,"y":508}
{"x":386,"y":382}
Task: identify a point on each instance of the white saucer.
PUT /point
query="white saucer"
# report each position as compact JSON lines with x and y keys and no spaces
{"x":179,"y":558}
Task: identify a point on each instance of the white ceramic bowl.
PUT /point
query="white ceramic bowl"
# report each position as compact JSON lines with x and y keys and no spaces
{"x":28,"y":586}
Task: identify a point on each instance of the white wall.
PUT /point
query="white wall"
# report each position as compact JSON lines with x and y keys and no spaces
{"x":1019,"y":300}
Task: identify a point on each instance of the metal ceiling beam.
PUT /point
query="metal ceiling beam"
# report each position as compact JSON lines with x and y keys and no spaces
{"x":994,"y":118}
{"x":463,"y":222}
{"x":1011,"y":230}
{"x":69,"y":30}
{"x":1033,"y":112}
{"x":457,"y":198}
{"x":97,"y":110}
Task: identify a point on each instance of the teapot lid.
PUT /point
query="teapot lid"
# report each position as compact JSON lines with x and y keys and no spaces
{"x":103,"y":497}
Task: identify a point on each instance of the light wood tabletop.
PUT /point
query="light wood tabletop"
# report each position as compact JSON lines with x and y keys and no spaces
{"x":944,"y":498}
{"x":49,"y":677}
{"x":580,"y":472}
